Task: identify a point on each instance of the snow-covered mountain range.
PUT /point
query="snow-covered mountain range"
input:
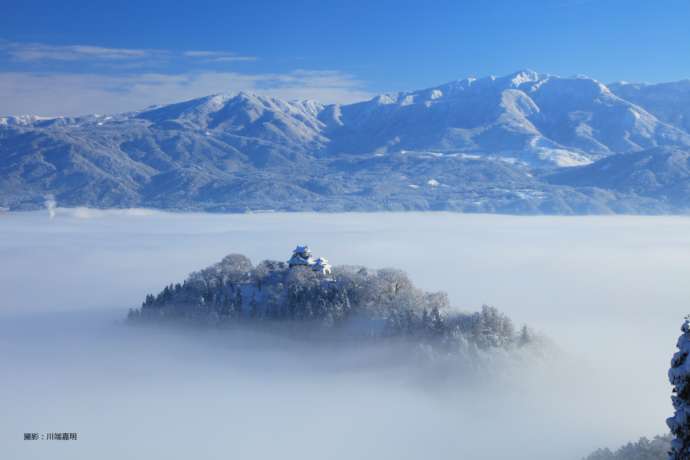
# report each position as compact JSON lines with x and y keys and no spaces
{"x":505,"y":144}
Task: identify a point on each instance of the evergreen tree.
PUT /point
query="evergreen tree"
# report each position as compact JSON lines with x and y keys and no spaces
{"x":226,"y":306}
{"x":679,"y":376}
{"x":253,"y":307}
{"x":525,"y":336}
{"x":238,"y":302}
{"x":436,"y":322}
{"x":425,"y":319}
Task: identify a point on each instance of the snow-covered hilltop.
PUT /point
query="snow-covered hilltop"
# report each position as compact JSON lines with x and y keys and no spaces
{"x":468,"y":145}
{"x":307,"y":295}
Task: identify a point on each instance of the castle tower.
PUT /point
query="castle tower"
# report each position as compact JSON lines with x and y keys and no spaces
{"x":301,"y":255}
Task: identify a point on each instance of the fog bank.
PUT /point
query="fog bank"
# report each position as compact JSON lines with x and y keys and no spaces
{"x":610,"y":291}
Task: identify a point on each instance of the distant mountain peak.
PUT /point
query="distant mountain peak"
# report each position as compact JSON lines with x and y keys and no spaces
{"x":521,"y":77}
{"x":246,"y":150}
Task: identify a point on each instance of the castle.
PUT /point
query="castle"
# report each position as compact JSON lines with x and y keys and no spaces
{"x":301,"y":256}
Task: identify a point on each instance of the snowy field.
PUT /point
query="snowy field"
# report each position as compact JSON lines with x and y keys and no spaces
{"x":611,"y":292}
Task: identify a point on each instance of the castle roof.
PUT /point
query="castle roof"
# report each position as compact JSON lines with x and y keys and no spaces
{"x":301,"y":250}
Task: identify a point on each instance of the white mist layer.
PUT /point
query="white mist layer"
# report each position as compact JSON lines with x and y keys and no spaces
{"x":610,"y":291}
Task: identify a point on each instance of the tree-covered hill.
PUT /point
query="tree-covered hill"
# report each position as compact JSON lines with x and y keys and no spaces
{"x":347,"y":301}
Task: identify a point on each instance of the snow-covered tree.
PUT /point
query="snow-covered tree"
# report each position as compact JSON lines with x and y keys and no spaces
{"x":679,"y":376}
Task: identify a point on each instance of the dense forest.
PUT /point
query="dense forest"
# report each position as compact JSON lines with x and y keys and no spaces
{"x":340,"y":302}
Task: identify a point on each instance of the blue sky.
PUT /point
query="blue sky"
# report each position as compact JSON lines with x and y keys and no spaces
{"x":76,"y":56}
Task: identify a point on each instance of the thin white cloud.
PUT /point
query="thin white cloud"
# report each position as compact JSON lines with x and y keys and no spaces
{"x":217,"y":56}
{"x":37,"y":52}
{"x":42,"y":52}
{"x":69,"y":94}
{"x":232,"y":58}
{"x":203,"y":54}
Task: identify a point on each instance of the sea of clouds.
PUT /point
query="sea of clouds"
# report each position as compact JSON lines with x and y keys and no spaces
{"x":610,"y":292}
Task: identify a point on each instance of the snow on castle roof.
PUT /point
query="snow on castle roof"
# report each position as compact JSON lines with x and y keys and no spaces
{"x":301,"y":257}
